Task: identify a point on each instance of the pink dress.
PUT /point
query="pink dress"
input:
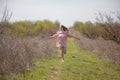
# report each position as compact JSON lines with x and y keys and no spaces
{"x":61,"y":37}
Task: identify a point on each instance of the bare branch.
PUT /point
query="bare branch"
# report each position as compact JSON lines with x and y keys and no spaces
{"x":100,"y":18}
{"x":6,"y":14}
{"x":118,"y":15}
{"x":109,"y":18}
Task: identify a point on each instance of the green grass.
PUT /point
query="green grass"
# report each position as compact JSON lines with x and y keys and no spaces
{"x":82,"y":65}
{"x":78,"y":65}
{"x":41,"y":71}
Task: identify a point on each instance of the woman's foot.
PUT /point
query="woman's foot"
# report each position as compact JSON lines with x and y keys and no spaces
{"x":62,"y":60}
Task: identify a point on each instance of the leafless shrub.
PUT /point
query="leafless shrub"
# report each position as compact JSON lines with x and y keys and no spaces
{"x":118,"y":16}
{"x":106,"y":49}
{"x":16,"y":54}
{"x":111,"y":26}
{"x":107,"y":26}
{"x":13,"y":55}
{"x":41,"y":47}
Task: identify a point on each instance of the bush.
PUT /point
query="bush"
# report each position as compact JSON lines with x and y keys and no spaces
{"x":5,"y":27}
{"x":17,"y":50}
{"x":17,"y":55}
{"x":88,"y":29}
{"x":28,"y":28}
{"x":108,"y":31}
{"x":23,"y":28}
{"x":47,"y":27}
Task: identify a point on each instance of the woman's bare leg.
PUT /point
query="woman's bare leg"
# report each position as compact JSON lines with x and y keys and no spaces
{"x":62,"y":52}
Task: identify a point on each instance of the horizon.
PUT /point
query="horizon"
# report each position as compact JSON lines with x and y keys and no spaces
{"x":64,"y":11}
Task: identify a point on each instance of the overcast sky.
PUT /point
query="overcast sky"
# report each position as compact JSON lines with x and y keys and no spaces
{"x":65,"y":11}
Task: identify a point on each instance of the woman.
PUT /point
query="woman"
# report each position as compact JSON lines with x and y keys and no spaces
{"x":61,"y":37}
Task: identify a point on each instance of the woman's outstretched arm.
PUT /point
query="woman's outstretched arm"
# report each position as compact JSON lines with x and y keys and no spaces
{"x":69,"y":35}
{"x":53,"y":36}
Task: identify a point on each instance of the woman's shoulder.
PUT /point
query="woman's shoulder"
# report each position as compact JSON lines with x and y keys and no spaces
{"x":62,"y":32}
{"x":59,"y":32}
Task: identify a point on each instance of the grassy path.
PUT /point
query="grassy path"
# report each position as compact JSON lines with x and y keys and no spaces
{"x":78,"y":65}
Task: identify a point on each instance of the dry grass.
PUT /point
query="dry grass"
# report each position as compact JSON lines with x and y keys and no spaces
{"x":106,"y":49}
{"x":17,"y":54}
{"x":19,"y":46}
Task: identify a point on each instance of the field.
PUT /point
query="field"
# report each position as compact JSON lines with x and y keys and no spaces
{"x":26,"y":53}
{"x":78,"y":65}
